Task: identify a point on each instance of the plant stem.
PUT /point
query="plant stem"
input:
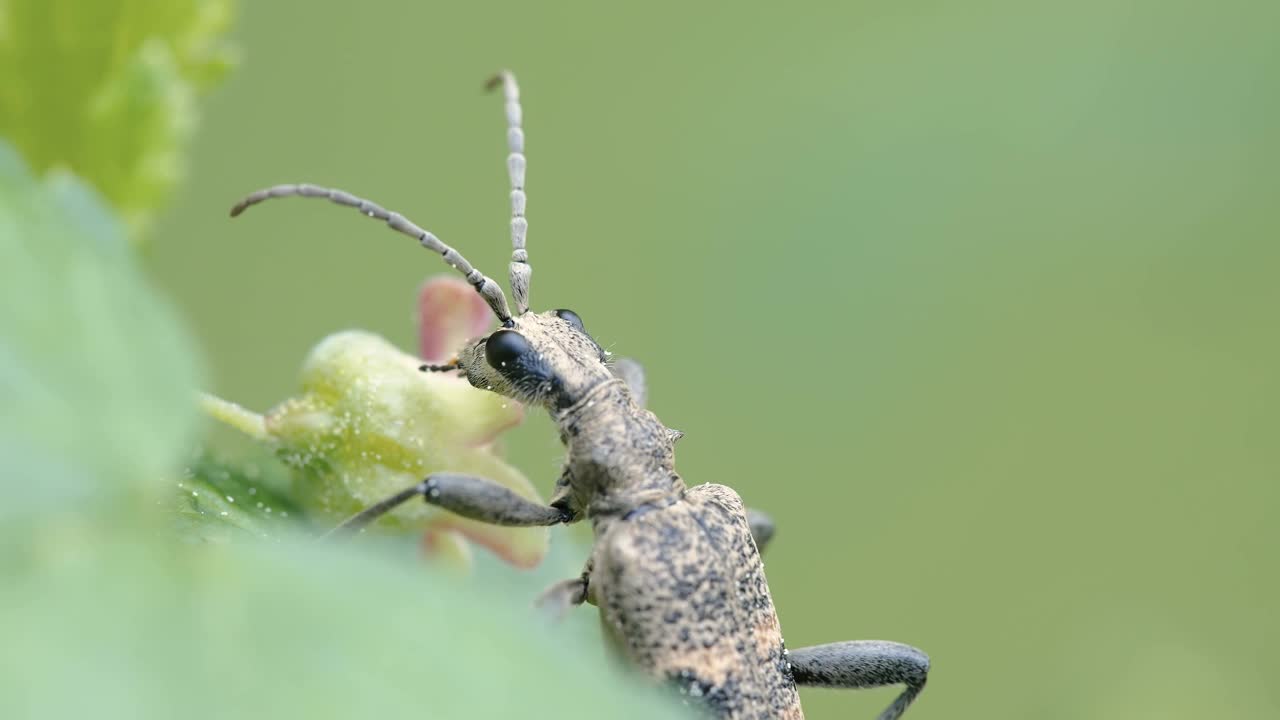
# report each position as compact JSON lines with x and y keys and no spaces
{"x":228,"y":413}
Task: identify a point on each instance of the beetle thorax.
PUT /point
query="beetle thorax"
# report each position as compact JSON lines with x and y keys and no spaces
{"x":620,"y":456}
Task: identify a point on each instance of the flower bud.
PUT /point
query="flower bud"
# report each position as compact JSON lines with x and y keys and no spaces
{"x":369,"y":424}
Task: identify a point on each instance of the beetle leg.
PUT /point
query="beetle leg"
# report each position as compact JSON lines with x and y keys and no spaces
{"x":563,"y":497}
{"x":863,"y":664}
{"x":631,"y":373}
{"x":558,"y":599}
{"x":762,"y":527}
{"x":471,"y":497}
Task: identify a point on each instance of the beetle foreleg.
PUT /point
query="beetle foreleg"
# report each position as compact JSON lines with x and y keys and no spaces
{"x":762,"y":528}
{"x":471,"y":497}
{"x":864,"y":664}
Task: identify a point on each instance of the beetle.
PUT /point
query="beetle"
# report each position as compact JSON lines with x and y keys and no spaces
{"x":674,"y":570}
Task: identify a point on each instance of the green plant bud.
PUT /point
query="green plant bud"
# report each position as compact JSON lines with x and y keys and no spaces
{"x":369,"y":423}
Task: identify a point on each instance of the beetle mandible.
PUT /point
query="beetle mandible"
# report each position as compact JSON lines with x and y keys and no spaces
{"x":674,"y":570}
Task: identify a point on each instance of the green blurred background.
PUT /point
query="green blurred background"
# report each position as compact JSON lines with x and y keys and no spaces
{"x":977,"y":299}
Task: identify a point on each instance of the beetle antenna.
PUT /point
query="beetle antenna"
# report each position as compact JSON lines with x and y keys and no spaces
{"x":488,"y":289}
{"x":520,"y":269}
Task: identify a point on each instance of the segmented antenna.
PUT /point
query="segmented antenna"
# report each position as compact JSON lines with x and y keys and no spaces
{"x":488,"y":289}
{"x":520,"y":269}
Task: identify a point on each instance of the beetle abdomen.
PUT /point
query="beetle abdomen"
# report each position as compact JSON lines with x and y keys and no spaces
{"x":684,"y":590}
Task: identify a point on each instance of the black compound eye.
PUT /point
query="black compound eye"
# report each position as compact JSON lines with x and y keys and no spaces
{"x":572,"y":318}
{"x":505,"y":347}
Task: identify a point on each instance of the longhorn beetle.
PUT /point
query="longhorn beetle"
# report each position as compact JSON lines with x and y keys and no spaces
{"x":674,"y":570}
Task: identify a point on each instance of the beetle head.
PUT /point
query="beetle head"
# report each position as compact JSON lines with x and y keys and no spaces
{"x":545,"y":359}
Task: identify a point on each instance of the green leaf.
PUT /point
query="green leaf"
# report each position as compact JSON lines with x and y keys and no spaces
{"x":95,"y":372}
{"x":108,"y":88}
{"x":294,"y":629}
{"x":221,"y":498}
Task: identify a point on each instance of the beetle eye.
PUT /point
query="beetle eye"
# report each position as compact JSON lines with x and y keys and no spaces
{"x":505,"y":347}
{"x":572,"y":318}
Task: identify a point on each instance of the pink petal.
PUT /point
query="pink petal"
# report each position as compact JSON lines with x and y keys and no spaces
{"x":448,"y":546}
{"x":520,"y":547}
{"x":449,"y":313}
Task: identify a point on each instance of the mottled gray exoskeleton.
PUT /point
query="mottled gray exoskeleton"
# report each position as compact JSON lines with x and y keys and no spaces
{"x":675,"y":570}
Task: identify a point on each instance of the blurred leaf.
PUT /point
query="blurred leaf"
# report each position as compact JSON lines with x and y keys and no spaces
{"x":95,"y":372}
{"x":291,"y":629}
{"x":107,"y":89}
